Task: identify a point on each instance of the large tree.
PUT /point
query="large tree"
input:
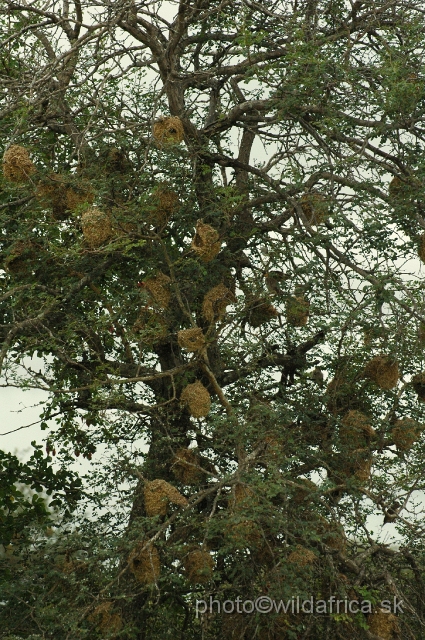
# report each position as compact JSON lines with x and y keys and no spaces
{"x":212,"y":226}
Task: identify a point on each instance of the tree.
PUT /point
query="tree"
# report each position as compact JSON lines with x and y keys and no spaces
{"x":212,"y":228}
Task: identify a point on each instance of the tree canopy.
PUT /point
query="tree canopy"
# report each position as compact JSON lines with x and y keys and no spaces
{"x":212,"y":232}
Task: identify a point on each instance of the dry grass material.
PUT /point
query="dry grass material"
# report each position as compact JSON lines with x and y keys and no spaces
{"x":197,"y":399}
{"x":105,"y":619}
{"x":242,"y":497}
{"x":260,"y":311}
{"x":332,"y":534}
{"x":24,"y":255}
{"x":405,"y":433}
{"x":355,"y":430}
{"x":297,"y":311}
{"x":145,"y":564}
{"x":17,"y":164}
{"x":186,"y":467}
{"x":152,"y":325}
{"x":191,"y":339}
{"x":383,"y":624}
{"x":304,"y":492}
{"x":315,"y":208}
{"x":302,"y":557}
{"x":206,"y":243}
{"x":166,"y":202}
{"x":418,"y":383}
{"x":97,"y":227}
{"x":421,"y":247}
{"x":168,"y":131}
{"x":199,"y":566}
{"x":216,"y":301}
{"x":245,"y":534}
{"x":54,"y":191}
{"x":383,"y":371}
{"x":158,"y":494}
{"x":398,"y":189}
{"x":159,"y":288}
{"x":421,"y":334}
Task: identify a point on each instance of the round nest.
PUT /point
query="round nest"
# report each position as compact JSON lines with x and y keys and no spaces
{"x":405,"y":433}
{"x":197,"y":399}
{"x":383,"y":624}
{"x":97,"y":227}
{"x":304,"y":492}
{"x":302,"y":556}
{"x":191,"y":339}
{"x":398,"y":188}
{"x":245,"y":534}
{"x":166,"y":201}
{"x":168,"y":131}
{"x":205,"y":242}
{"x":23,"y":257}
{"x":383,"y":371}
{"x":145,"y":564}
{"x":216,"y":301}
{"x":157,"y":496}
{"x":418,"y":383}
{"x":54,"y":191}
{"x":421,"y":247}
{"x":260,"y":311}
{"x":355,"y":430}
{"x":17,"y":165}
{"x":199,"y":565}
{"x":297,"y":311}
{"x":186,"y":467}
{"x":159,"y":288}
{"x":105,"y":619}
{"x":315,"y":208}
{"x":152,"y":326}
{"x":242,"y":497}
{"x":332,"y":534}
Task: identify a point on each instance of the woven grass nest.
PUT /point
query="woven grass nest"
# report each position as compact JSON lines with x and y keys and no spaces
{"x":355,"y":430}
{"x":242,"y":497}
{"x":197,"y":399}
{"x":185,"y":467}
{"x":405,"y":433}
{"x":384,"y":624}
{"x":152,"y":325}
{"x":216,"y":301}
{"x":398,"y":188}
{"x":260,"y":311}
{"x":106,"y":619}
{"x":158,"y":494}
{"x":421,"y":247}
{"x":206,"y":243}
{"x":383,"y":371}
{"x":359,"y":466}
{"x":297,"y":310}
{"x":245,"y":534}
{"x":17,"y":164}
{"x":199,"y":566}
{"x":23,"y":257}
{"x":145,"y":564}
{"x":332,"y":534}
{"x":54,"y":191}
{"x":166,"y":201}
{"x":302,"y":556}
{"x":97,"y":227}
{"x":191,"y":339}
{"x":159,"y":288}
{"x":168,"y":131}
{"x":418,"y":383}
{"x":304,"y":492}
{"x":315,"y":208}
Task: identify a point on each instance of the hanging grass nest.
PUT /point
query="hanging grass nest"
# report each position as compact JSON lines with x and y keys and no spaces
{"x":405,"y":433}
{"x":355,"y":430}
{"x":151,"y":326}
{"x":168,"y":131}
{"x":206,"y":242}
{"x":315,"y":208}
{"x":23,"y":257}
{"x":245,"y":534}
{"x":158,"y":494}
{"x":185,"y":467}
{"x":398,"y":189}
{"x":197,"y":399}
{"x":145,"y":564}
{"x":17,"y":164}
{"x":106,"y":619}
{"x":384,"y":625}
{"x":332,"y":534}
{"x":297,"y":310}
{"x":418,"y":383}
{"x":166,"y":202}
{"x":199,"y":566}
{"x":242,"y":497}
{"x":302,"y":556}
{"x":55,"y":192}
{"x":191,"y":339}
{"x":358,"y":465}
{"x":421,"y":247}
{"x":383,"y":371}
{"x":216,"y":301}
{"x":305,"y":492}
{"x":260,"y":311}
{"x":97,"y":227}
{"x":159,"y":288}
